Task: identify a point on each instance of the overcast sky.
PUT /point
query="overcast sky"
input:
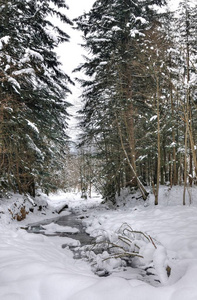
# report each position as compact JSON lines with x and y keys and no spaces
{"x":71,"y":52}
{"x":71,"y":56}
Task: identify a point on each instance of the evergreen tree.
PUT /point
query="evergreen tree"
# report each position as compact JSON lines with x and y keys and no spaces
{"x":186,"y":85}
{"x":33,"y":89}
{"x":113,"y":32}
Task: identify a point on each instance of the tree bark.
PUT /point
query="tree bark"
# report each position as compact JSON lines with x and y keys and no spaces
{"x":139,"y":183}
{"x":158,"y":145}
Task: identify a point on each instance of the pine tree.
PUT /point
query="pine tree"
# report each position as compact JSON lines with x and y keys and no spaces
{"x":113,"y":31}
{"x":186,"y":44}
{"x":33,"y":89}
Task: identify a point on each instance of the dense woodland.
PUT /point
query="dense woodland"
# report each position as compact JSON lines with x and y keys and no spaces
{"x":33,"y":89}
{"x":138,"y":120}
{"x":139,"y":113}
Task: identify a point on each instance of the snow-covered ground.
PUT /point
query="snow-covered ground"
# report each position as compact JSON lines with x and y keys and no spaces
{"x":36,"y":267}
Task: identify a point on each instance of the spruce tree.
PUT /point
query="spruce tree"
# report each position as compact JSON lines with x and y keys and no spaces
{"x":33,"y":89}
{"x":113,"y":31}
{"x":186,"y":86}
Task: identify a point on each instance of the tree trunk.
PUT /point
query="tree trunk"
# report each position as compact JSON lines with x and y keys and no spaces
{"x":185,"y":167}
{"x":139,"y":183}
{"x":158,"y":145}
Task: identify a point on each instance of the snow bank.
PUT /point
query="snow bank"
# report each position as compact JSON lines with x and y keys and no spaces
{"x":36,"y":267}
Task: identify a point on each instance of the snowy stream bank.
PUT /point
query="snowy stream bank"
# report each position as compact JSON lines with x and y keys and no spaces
{"x":36,"y":267}
{"x":72,"y":227}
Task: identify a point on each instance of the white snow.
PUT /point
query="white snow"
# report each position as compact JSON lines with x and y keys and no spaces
{"x":32,"y":125}
{"x":153,"y":118}
{"x":36,"y":267}
{"x":4,"y":40}
{"x":29,"y":71}
{"x":51,"y":228}
{"x":116,"y":28}
{"x":13,"y":82}
{"x":142,"y":20}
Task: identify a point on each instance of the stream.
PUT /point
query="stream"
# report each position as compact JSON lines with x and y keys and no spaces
{"x":73,"y":220}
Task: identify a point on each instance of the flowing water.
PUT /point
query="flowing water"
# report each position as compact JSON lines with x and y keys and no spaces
{"x":72,"y":220}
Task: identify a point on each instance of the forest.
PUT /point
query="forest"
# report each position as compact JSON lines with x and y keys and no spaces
{"x":108,"y":211}
{"x":138,"y":118}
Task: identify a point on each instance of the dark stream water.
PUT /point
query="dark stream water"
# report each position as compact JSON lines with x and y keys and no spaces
{"x":72,"y":220}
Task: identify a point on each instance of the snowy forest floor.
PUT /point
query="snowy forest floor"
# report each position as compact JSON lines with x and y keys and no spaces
{"x":36,"y":267}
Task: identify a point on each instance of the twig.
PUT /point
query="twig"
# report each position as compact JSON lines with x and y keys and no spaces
{"x":152,"y":242}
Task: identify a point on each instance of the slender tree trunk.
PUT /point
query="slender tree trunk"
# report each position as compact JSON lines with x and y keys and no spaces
{"x":192,"y":145}
{"x":174,"y":176}
{"x":162,"y":164}
{"x":174,"y":167}
{"x":158,"y":145}
{"x":185,"y":167}
{"x":139,"y":183}
{"x":129,"y":123}
{"x":187,"y":112}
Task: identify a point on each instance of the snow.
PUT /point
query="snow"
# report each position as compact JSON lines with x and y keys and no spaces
{"x":34,"y":54}
{"x":51,"y":228}
{"x":29,"y":71}
{"x":153,"y":118}
{"x":142,"y":20}
{"x":31,"y":142}
{"x":116,"y":28}
{"x":13,"y":82}
{"x":33,"y":126}
{"x":36,"y":267}
{"x":4,"y":40}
